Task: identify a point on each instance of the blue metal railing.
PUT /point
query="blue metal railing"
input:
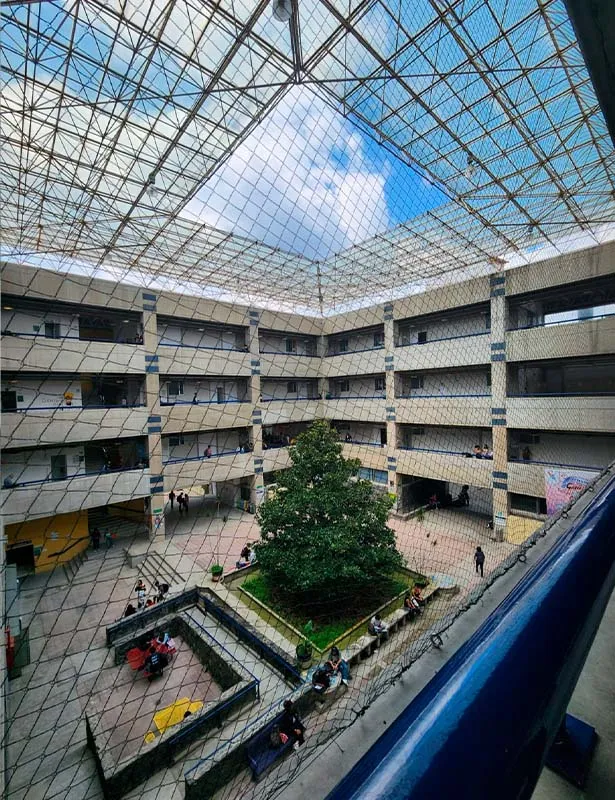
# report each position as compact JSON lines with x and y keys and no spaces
{"x":199,"y":402}
{"x":553,"y":464}
{"x":363,"y":443}
{"x":432,"y":396}
{"x":286,"y":399}
{"x":89,"y":474}
{"x":77,"y":338}
{"x":235,"y":452}
{"x":446,"y":452}
{"x":352,"y":352}
{"x":560,"y":322}
{"x":72,"y":406}
{"x":444,"y":339}
{"x":358,"y":397}
{"x":564,"y":394}
{"x":283,"y":353}
{"x":505,"y":691}
{"x":205,"y":347}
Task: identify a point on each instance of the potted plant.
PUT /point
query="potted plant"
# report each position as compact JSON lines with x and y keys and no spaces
{"x":216,"y":572}
{"x":304,"y":649}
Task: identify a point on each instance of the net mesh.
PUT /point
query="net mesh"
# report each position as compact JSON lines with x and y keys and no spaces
{"x":218,"y":228}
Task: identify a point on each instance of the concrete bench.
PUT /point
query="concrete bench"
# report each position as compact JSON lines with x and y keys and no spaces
{"x":259,"y":751}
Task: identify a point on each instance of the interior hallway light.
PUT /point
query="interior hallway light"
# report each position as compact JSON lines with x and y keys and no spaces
{"x":282,"y":10}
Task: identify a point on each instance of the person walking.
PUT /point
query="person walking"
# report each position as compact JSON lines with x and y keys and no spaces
{"x":141,"y":591}
{"x":108,"y":538}
{"x":186,"y":503}
{"x":95,"y":538}
{"x":180,"y":502}
{"x":479,"y":560}
{"x":172,"y":498}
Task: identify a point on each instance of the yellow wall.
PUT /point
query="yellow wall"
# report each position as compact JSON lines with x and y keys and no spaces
{"x":518,"y":529}
{"x":54,"y":535}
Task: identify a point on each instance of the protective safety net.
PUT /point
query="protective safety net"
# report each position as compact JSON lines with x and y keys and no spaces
{"x":308,"y":331}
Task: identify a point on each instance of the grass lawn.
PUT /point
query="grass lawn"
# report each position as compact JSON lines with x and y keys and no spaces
{"x":329,"y":626}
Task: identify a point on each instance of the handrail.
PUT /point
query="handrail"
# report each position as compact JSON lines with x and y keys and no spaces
{"x":465,"y":453}
{"x":351,"y":352}
{"x":363,"y":443}
{"x":444,"y":339}
{"x":69,"y":336}
{"x":286,"y":399}
{"x":561,"y":322}
{"x":359,"y":397}
{"x":551,"y":463}
{"x":71,"y":406}
{"x":20,"y":484}
{"x":283,"y":353}
{"x":206,"y":458}
{"x":245,"y":349}
{"x":200,"y":402}
{"x":564,"y":394}
{"x":69,"y":546}
{"x":432,"y":396}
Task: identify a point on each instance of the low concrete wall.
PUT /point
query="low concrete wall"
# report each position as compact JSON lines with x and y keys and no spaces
{"x":213,"y":773}
{"x":150,"y":617}
{"x":240,"y":688}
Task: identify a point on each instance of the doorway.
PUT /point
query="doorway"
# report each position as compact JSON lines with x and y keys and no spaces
{"x":9,"y":400}
{"x":58,"y":468}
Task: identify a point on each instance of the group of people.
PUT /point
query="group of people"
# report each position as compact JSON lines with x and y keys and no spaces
{"x":159,"y":652}
{"x":462,"y":499}
{"x":323,"y":674}
{"x":143,"y":601}
{"x":246,"y":558}
{"x":413,"y":602}
{"x":481,"y":452}
{"x":182,"y":499}
{"x":96,"y":536}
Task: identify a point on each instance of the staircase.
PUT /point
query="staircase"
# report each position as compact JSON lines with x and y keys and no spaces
{"x":122,"y":527}
{"x":155,"y":567}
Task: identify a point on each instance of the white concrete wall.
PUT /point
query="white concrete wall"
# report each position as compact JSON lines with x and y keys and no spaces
{"x":37,"y":393}
{"x":276,"y":343}
{"x":33,"y":322}
{"x":206,"y":390}
{"x":195,"y":444}
{"x":278,"y":390}
{"x":456,"y":326}
{"x":35,"y":465}
{"x":193,"y":337}
{"x":363,"y":386}
{"x":360,"y":340}
{"x":554,"y":448}
{"x":440,"y":383}
{"x":457,"y":440}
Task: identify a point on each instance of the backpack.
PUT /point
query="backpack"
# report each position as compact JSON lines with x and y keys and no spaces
{"x":275,"y":737}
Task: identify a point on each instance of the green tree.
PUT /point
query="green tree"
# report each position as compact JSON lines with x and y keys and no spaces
{"x":324,"y":535}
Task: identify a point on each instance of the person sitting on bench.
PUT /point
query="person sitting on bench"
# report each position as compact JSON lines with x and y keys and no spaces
{"x":154,"y":663}
{"x":291,"y":725}
{"x":337,"y":664}
{"x":321,"y":680}
{"x":410,"y":606}
{"x":247,"y":557}
{"x":416,"y":594}
{"x":377,"y":626}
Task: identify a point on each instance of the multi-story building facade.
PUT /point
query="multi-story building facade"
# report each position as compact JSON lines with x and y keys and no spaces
{"x":114,"y":395}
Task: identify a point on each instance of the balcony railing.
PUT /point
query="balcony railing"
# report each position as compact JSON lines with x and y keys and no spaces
{"x":379,"y":396}
{"x":236,"y":451}
{"x":464,"y":453}
{"x":443,"y":339}
{"x":232,"y":348}
{"x":564,"y":394}
{"x":363,"y":443}
{"x":199,"y":402}
{"x":137,"y":340}
{"x":436,"y":396}
{"x":287,"y":399}
{"x":553,"y":464}
{"x":359,"y":350}
{"x":63,"y":407}
{"x":86,"y":474}
{"x":284,"y":353}
{"x":559,"y":322}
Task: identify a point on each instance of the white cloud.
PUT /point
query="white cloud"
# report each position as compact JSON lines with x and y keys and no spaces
{"x":301,"y":181}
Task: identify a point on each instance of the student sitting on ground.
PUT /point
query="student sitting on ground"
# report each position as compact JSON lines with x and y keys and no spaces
{"x":377,"y":626}
{"x":337,"y":664}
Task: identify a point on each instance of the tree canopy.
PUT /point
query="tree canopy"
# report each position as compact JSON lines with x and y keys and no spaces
{"x":324,"y":534}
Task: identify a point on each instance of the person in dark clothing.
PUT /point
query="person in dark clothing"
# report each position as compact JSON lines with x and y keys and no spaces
{"x":155,"y":663}
{"x":291,"y":725}
{"x":479,"y":560}
{"x":186,"y":504}
{"x":95,"y":538}
{"x":172,"y":498}
{"x":464,"y":495}
{"x":180,"y":502}
{"x":130,"y":610}
{"x":161,"y":590}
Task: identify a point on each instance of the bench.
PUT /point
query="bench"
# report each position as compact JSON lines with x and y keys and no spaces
{"x":261,"y":755}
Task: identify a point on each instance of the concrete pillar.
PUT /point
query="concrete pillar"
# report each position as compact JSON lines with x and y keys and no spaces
{"x":154,"y":509}
{"x":257,"y":491}
{"x":323,"y":382}
{"x":499,"y":378}
{"x":389,"y":373}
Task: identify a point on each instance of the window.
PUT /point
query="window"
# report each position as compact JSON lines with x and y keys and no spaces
{"x":344,"y":386}
{"x":529,"y":438}
{"x":404,"y":336}
{"x":416,"y":381}
{"x":176,"y":388}
{"x":244,"y":493}
{"x":379,"y":384}
{"x":422,"y":337}
{"x":488,"y":320}
{"x":417,"y":431}
{"x":291,"y":387}
{"x":379,"y":339}
{"x":52,"y":330}
{"x":291,"y":345}
{"x":175,"y":441}
{"x":342,"y":346}
{"x":488,"y":376}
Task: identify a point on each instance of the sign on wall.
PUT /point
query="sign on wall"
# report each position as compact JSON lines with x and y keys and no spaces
{"x":564,"y":485}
